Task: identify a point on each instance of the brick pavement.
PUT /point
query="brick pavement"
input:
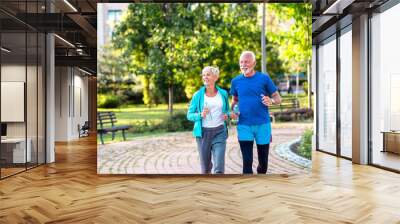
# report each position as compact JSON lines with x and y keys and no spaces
{"x":176,"y":153}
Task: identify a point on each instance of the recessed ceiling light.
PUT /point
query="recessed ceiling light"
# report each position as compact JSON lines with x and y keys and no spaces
{"x":70,"y":5}
{"x":86,"y":72}
{"x":5,"y":49}
{"x":64,"y":40}
{"x":338,"y":6}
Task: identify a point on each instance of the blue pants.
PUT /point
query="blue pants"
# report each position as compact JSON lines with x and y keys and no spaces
{"x":212,"y":147}
{"x":246,"y":147}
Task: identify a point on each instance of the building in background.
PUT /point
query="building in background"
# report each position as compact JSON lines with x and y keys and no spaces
{"x":108,"y":14}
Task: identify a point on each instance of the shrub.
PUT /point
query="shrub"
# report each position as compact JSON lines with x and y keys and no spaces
{"x":132,"y":97}
{"x":283,"y":117}
{"x":108,"y":101}
{"x":144,"y":126}
{"x":305,"y":144}
{"x":177,"y":122}
{"x":298,"y":114}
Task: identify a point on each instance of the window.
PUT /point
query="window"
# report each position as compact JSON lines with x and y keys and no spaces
{"x":385,"y":84}
{"x":113,"y":16}
{"x":346,"y":92}
{"x":327,"y":95}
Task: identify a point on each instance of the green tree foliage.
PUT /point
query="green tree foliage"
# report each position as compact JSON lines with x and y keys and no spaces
{"x":148,"y":37}
{"x":115,"y":78}
{"x":167,"y":45}
{"x":294,"y":40}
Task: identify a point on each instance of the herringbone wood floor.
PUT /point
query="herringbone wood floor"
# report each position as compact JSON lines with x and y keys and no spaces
{"x":70,"y":191}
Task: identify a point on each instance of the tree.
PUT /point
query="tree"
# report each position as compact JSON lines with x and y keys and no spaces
{"x":169,"y":44}
{"x":294,"y":40}
{"x":113,"y":71}
{"x":148,"y":35}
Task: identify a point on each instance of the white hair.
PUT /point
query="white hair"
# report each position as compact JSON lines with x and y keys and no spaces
{"x":251,"y":53}
{"x":210,"y":69}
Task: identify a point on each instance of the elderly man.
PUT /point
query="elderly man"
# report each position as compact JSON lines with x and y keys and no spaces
{"x":254,"y":92}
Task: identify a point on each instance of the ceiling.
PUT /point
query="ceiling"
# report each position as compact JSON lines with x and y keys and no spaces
{"x":330,"y":15}
{"x":74,"y":22}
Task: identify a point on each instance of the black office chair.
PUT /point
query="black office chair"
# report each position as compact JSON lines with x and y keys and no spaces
{"x":84,"y":130}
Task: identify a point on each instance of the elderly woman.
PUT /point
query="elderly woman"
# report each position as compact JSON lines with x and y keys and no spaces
{"x":209,"y":110}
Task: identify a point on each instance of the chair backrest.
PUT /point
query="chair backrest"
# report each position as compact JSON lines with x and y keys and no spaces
{"x":296,"y":103}
{"x":106,"y":118}
{"x":86,"y":125}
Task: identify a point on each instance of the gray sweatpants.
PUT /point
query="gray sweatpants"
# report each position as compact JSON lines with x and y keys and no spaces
{"x":212,"y":147}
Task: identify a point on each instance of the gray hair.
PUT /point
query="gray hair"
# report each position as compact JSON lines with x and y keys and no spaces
{"x":210,"y":69}
{"x":251,"y":53}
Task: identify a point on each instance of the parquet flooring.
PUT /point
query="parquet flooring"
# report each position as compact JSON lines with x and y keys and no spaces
{"x":70,"y":191}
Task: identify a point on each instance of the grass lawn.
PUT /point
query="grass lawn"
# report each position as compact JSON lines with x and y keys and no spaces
{"x":132,"y":114}
{"x":129,"y":136}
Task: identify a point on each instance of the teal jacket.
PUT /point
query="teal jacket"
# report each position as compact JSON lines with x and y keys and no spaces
{"x":196,"y":106}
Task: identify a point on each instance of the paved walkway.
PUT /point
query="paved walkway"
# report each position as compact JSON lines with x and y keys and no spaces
{"x":176,"y":153}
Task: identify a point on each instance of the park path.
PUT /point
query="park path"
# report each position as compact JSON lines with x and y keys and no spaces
{"x":176,"y":153}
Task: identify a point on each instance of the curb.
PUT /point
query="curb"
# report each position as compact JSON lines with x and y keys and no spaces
{"x":283,"y":151}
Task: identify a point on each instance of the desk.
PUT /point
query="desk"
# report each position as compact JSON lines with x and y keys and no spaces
{"x":15,"y":148}
{"x":391,"y":141}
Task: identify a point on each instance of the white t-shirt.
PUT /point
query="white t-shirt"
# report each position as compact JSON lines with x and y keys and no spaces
{"x":215,"y":117}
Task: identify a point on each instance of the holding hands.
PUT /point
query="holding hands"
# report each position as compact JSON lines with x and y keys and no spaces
{"x":233,"y":116}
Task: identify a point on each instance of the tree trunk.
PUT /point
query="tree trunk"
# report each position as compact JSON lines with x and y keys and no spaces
{"x":146,"y":90}
{"x":309,"y":86}
{"x":170,"y":99}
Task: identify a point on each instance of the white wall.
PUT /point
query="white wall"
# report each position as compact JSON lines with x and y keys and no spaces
{"x":61,"y":103}
{"x":80,"y":105}
{"x":33,"y":126}
{"x":71,"y":102}
{"x":14,"y":73}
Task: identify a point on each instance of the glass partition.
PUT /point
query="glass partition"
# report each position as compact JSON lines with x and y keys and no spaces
{"x":22,"y":77}
{"x":13,"y":95}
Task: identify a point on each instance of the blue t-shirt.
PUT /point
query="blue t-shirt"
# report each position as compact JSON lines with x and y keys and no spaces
{"x":249,"y":90}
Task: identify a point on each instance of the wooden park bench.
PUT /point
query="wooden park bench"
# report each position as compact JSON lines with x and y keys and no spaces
{"x":106,"y":123}
{"x":286,"y":104}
